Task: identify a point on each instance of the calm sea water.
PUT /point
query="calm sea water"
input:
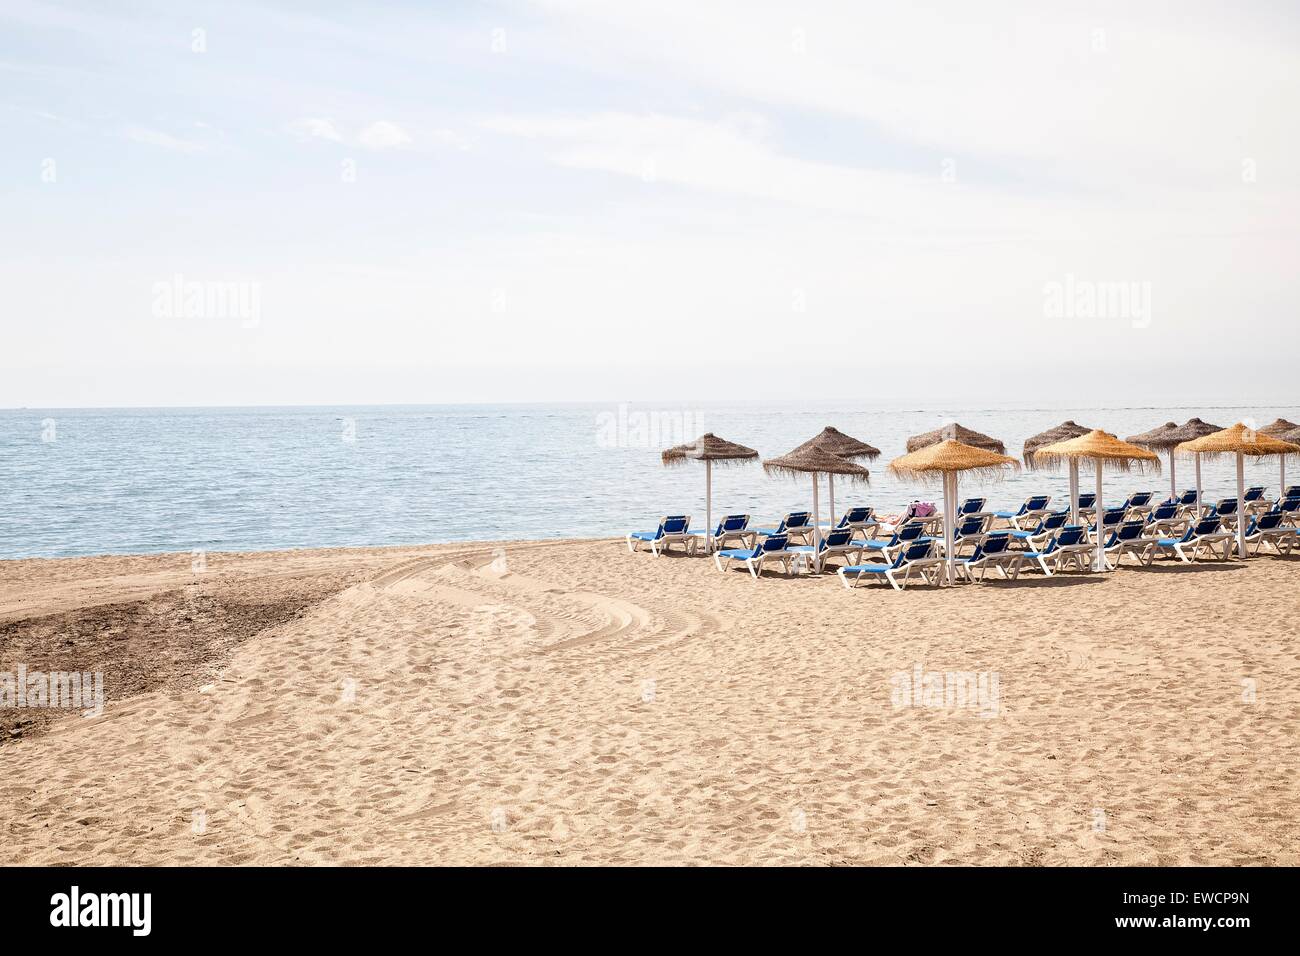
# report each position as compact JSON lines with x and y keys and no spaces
{"x":76,"y":482}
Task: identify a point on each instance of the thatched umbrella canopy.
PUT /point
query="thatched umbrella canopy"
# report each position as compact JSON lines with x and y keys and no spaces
{"x":1067,"y":429}
{"x":710,"y":449}
{"x":1242,"y":442}
{"x":1107,"y":453}
{"x":1195,"y":428}
{"x":833,"y":440}
{"x":957,"y":433}
{"x":1286,"y":431}
{"x":814,"y":460}
{"x":1164,"y":438}
{"x":943,"y":461}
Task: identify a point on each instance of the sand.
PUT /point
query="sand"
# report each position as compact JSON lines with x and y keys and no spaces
{"x":570,"y":703}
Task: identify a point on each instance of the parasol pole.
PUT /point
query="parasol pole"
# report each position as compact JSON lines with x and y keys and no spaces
{"x":708,"y":506}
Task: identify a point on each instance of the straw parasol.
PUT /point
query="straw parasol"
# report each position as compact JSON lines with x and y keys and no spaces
{"x":1195,"y":428}
{"x":1287,"y":431}
{"x":1062,"y":432}
{"x":957,"y":433}
{"x":943,"y":461}
{"x":1106,"y":453}
{"x":1164,"y":438}
{"x":1241,"y":441}
{"x":833,"y":440}
{"x":708,"y":448}
{"x":1065,"y":430}
{"x":812,"y":459}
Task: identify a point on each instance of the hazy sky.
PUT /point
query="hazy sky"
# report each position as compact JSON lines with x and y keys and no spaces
{"x":606,"y":201}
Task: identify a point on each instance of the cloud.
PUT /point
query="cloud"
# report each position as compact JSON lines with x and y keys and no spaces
{"x":312,"y":127}
{"x":383,"y":135}
{"x":154,"y":137}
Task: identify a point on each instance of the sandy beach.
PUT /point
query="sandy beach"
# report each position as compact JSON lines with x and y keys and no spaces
{"x":566,"y":702}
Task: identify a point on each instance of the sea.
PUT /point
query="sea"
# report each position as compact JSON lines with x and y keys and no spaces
{"x":148,"y":480}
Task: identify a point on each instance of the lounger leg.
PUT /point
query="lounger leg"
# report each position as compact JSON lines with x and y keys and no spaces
{"x":890,"y":576}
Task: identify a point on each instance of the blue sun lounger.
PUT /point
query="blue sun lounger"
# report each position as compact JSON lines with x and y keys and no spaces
{"x":673,"y":529}
{"x":1269,"y":529}
{"x":1130,"y":538}
{"x":970,"y":532}
{"x":1167,"y":520}
{"x":797,"y":524}
{"x":775,"y":547}
{"x":835,"y":544}
{"x":1035,"y":507}
{"x":1205,"y":535}
{"x":1111,"y":519}
{"x":731,"y":528}
{"x":1048,"y":525}
{"x":918,"y":556}
{"x":1069,"y":545}
{"x":889,"y":547}
{"x":858,"y":519}
{"x":993,"y":552}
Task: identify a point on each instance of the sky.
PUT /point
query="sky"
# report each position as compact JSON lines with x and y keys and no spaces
{"x":240,"y":204}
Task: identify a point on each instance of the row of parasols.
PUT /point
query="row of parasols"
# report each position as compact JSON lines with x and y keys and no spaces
{"x":941,"y":455}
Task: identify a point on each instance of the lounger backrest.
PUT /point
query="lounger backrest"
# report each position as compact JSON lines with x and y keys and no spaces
{"x":1037,"y":502}
{"x":909,"y":532}
{"x":1289,"y":503}
{"x":675,"y":524}
{"x":970,"y":526}
{"x":1228,"y":506}
{"x":1292,"y":492}
{"x":916,"y":551}
{"x":837,"y":538}
{"x":1114,"y":515}
{"x":1139,"y":500}
{"x":1188,"y":497}
{"x":795,"y":519}
{"x":1087,"y":500}
{"x":1204,"y":526}
{"x":734,"y":523}
{"x":855,"y":516}
{"x":1130,"y":530}
{"x":775,"y":542}
{"x":993,"y":544}
{"x":1267,"y":522}
{"x":1070,"y":534}
{"x":971,"y":505}
{"x":1055,"y":520}
{"x":1254,"y":493}
{"x":1164,"y":512}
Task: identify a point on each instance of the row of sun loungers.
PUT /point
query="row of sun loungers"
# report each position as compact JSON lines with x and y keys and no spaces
{"x":1035,"y":538}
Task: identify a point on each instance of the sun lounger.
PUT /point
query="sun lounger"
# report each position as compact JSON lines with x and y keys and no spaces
{"x":970,"y":532}
{"x":1038,"y":537}
{"x":1270,"y":529}
{"x":673,"y":529}
{"x":797,"y":524}
{"x":993,"y":552}
{"x":1166,"y":521}
{"x":1139,"y":501}
{"x":1035,"y":507}
{"x":1130,"y":538}
{"x":888,"y":548}
{"x":859,"y":519}
{"x":1111,"y":519}
{"x":918,"y":557}
{"x":1206,"y":535}
{"x":729,"y":529}
{"x":775,"y":547}
{"x":1069,"y":545}
{"x":835,"y":544}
